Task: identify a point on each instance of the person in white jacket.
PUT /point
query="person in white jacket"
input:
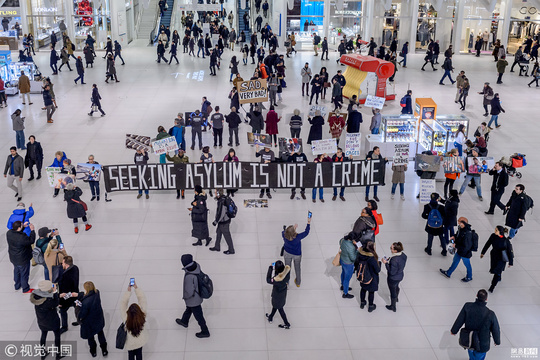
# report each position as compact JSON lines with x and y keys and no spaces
{"x":134,"y":318}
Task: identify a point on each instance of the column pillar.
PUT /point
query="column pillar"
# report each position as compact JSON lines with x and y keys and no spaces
{"x":458,"y":26}
{"x":69,"y":11}
{"x":368,"y":12}
{"x":507,"y":13}
{"x":377,"y":24}
{"x":118,"y":21}
{"x":326,"y":19}
{"x":414,"y":24}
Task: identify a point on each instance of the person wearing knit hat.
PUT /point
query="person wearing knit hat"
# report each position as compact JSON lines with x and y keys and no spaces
{"x":191,"y":296}
{"x":463,"y":244}
{"x":199,"y":217}
{"x":20,"y":214}
{"x":45,"y":300}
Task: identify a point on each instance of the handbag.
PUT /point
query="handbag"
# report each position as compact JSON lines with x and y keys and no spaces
{"x":379,"y":219}
{"x":85,"y":207}
{"x":121,"y":336}
{"x":336,"y":260}
{"x":469,"y":339}
{"x":327,"y":85}
{"x":504,"y":255}
{"x":56,"y":271}
{"x":95,"y":108}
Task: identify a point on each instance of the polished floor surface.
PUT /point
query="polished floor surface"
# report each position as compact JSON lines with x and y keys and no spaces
{"x":145,"y":238}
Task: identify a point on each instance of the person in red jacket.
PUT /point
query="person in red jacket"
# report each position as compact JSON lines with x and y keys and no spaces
{"x":271,"y":121}
{"x":336,"y":123}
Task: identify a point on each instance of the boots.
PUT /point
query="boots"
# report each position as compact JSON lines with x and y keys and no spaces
{"x":371,"y":307}
{"x":93,"y":351}
{"x":104,"y":351}
{"x":392,"y":306}
{"x":204,"y":333}
{"x":198,"y":243}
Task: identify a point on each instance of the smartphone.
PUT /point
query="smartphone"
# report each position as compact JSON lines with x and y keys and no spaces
{"x":309,"y":214}
{"x":273,"y":264}
{"x":61,"y":246}
{"x":131,"y":281}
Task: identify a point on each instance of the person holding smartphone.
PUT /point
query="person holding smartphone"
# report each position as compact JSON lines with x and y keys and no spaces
{"x":292,"y":248}
{"x":134,"y":318}
{"x":279,"y":280}
{"x":68,"y":287}
{"x":394,"y":266}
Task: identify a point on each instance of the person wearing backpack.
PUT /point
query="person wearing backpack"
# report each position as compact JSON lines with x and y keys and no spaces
{"x":500,"y":254}
{"x":406,"y":103}
{"x":223,"y":221}
{"x":279,"y":282}
{"x":192,"y":296}
{"x":292,"y":248}
{"x":368,"y":268}
{"x":434,"y":213}
{"x":464,"y":243}
{"x":477,"y":317}
{"x":516,"y":208}
{"x":364,"y":227}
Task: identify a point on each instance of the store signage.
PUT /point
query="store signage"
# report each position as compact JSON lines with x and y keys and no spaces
{"x":244,"y":175}
{"x":45,"y":9}
{"x":349,"y":12}
{"x":252,"y":91}
{"x":6,"y":11}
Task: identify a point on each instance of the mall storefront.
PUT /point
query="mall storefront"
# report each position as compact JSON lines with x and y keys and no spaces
{"x":456,"y":22}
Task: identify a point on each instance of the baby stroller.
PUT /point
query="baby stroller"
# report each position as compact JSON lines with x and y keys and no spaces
{"x":514,"y":162}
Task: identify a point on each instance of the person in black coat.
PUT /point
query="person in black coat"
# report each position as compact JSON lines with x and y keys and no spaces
{"x":75,"y":209}
{"x":499,"y":244}
{"x":80,"y":70}
{"x":161,"y":52}
{"x":34,"y":156}
{"x":233,"y":119}
{"x":500,"y":182}
{"x":463,"y":243}
{"x":199,"y":217}
{"x":368,"y":258}
{"x":91,"y":318}
{"x":96,"y":100}
{"x":235,"y":101}
{"x":315,"y":131}
{"x":451,"y":207}
{"x":20,"y":254}
{"x":516,"y":208}
{"x":395,"y":266}
{"x":477,"y":316}
{"x":53,"y":60}
{"x":45,"y":300}
{"x":279,"y":283}
{"x":173,"y":52}
{"x":68,"y":287}
{"x":354,"y":120}
{"x":118,"y":51}
{"x":431,"y":230}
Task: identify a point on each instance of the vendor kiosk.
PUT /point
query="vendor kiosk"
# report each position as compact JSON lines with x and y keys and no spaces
{"x":432,"y":136}
{"x":394,"y":129}
{"x":451,"y":123}
{"x":425,"y":109}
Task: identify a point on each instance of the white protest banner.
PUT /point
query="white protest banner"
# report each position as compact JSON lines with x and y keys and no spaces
{"x":352,"y":144}
{"x":314,"y":108}
{"x":374,"y":101}
{"x":327,"y":146}
{"x":165,"y":145}
{"x":401,"y":153}
{"x":427,"y":187}
{"x":252,"y":91}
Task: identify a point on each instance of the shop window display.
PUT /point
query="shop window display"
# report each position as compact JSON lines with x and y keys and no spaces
{"x":425,"y":30}
{"x":480,"y":24}
{"x":48,"y":17}
{"x":349,"y":21}
{"x":91,"y":18}
{"x":391,"y":24}
{"x":527,"y":24}
{"x":304,"y":19}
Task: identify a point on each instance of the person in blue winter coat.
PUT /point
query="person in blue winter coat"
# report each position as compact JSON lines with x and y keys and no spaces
{"x":20,"y":214}
{"x":178,"y":131}
{"x":292,"y":248}
{"x":407,"y":109}
{"x":60,"y":156}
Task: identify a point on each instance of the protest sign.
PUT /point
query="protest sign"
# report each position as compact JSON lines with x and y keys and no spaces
{"x":137,"y":142}
{"x":61,"y":180}
{"x":314,"y":108}
{"x":327,"y":146}
{"x":427,"y":187}
{"x":352,"y":144}
{"x":479,"y":165}
{"x":51,"y":171}
{"x":430,"y":163}
{"x":374,"y":102}
{"x":252,"y":91}
{"x":88,"y":172}
{"x":259,"y":139}
{"x":453,"y":164}
{"x":289,"y":145}
{"x":401,"y":153}
{"x":165,"y":145}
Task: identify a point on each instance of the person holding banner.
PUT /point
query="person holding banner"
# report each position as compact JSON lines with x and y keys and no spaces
{"x":267,"y":156}
{"x":141,"y":158}
{"x":315,"y":131}
{"x":199,"y":217}
{"x":340,"y":157}
{"x":179,"y":158}
{"x":474,"y":177}
{"x":320,"y":158}
{"x":298,"y":157}
{"x":231,"y":157}
{"x":161,"y":135}
{"x":398,"y":177}
{"x":375,"y":154}
{"x":94,"y":185}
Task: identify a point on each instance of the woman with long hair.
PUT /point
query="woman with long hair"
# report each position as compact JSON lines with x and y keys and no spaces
{"x":323,"y":77}
{"x":231,"y":157}
{"x":53,"y":256}
{"x":368,"y":269}
{"x":279,"y":281}
{"x":460,"y":138}
{"x":134,"y":318}
{"x":501,"y":253}
{"x":91,"y":318}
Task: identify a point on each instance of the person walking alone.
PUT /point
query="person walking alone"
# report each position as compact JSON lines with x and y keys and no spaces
{"x":223,"y":222}
{"x":500,"y":182}
{"x":191,"y":296}
{"x":96,"y":103}
{"x":14,"y":171}
{"x":500,"y":254}
{"x":279,"y":281}
{"x":292,"y":248}
{"x":80,"y":70}
{"x":496,"y":109}
{"x":448,"y":69}
{"x":501,"y":67}
{"x":134,"y":318}
{"x":463,"y":243}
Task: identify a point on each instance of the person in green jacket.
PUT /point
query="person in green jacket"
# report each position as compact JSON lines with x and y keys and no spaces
{"x":501,"y":66}
{"x":162,"y":133}
{"x":348,"y":251}
{"x":179,"y":158}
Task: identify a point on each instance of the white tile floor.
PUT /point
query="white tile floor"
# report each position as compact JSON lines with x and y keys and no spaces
{"x":145,"y":238}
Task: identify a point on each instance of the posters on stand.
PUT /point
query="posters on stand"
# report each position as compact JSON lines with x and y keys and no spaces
{"x":314,"y":108}
{"x":453,"y":164}
{"x":401,"y":153}
{"x":138,"y":142}
{"x":352,"y":144}
{"x":431,"y":163}
{"x":479,"y":165}
{"x":427,"y":187}
{"x":259,"y":139}
{"x":61,"y":180}
{"x":256,"y":203}
{"x":51,"y":171}
{"x":374,"y":102}
{"x":289,"y":145}
{"x":88,"y":172}
{"x":326,"y":146}
{"x":252,"y":91}
{"x":165,"y":145}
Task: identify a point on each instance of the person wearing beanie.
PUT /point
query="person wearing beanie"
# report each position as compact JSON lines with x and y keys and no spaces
{"x":191,"y":296}
{"x":45,"y":300}
{"x":199,"y":217}
{"x":463,"y":243}
{"x":434,"y":213}
{"x":20,"y":214}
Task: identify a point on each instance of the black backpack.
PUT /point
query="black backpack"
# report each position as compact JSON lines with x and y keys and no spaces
{"x":529,"y":203}
{"x":474,"y":238}
{"x":206,"y":286}
{"x":364,"y":273}
{"x":231,"y":207}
